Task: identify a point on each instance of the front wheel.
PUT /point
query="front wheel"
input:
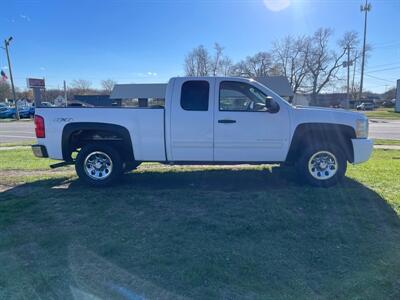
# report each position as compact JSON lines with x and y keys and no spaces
{"x":322,"y":166}
{"x":98,"y":164}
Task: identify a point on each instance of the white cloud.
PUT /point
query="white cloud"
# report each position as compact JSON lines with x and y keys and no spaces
{"x":277,"y":5}
{"x":146,"y":75}
{"x":42,"y":68}
{"x":5,"y":67}
{"x":25,"y":17}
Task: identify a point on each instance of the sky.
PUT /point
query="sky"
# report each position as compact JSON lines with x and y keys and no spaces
{"x":146,"y":41}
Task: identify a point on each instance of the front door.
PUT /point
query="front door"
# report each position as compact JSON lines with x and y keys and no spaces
{"x":192,"y":114}
{"x":245,"y":129}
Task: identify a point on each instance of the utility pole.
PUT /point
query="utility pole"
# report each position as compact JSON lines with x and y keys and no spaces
{"x":348,"y":78}
{"x":354,"y":73}
{"x":65,"y":94}
{"x":364,"y":8}
{"x":6,"y":43}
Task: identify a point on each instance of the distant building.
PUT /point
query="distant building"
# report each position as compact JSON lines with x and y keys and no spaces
{"x":94,"y":100}
{"x":278,"y":84}
{"x":59,"y":101}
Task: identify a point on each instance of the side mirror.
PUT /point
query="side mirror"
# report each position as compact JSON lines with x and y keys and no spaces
{"x":271,"y":105}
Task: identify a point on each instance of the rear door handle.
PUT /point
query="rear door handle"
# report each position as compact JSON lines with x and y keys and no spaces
{"x":226,"y":121}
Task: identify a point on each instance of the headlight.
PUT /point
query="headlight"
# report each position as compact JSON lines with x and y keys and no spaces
{"x":362,"y":128}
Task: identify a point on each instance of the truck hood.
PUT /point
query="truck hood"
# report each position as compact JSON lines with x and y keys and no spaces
{"x":304,"y":114}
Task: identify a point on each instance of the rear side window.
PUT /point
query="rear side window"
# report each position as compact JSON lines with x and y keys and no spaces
{"x":194,"y":95}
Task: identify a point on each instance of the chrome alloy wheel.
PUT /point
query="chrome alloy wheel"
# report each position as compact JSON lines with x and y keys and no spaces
{"x":98,"y":165}
{"x":323,"y":165}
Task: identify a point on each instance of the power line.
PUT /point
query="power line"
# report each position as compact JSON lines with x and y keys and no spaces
{"x":378,"y":78}
{"x":388,"y":46}
{"x":385,"y":69}
{"x":386,"y":64}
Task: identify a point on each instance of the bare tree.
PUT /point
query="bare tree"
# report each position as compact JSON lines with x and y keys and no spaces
{"x":322,"y":63}
{"x":216,"y":62}
{"x":81,"y":86}
{"x":290,"y":57}
{"x":198,"y":62}
{"x":390,"y":94}
{"x":25,"y":94}
{"x":108,"y":85}
{"x":257,"y":65}
{"x":5,"y":90}
{"x":226,"y":66}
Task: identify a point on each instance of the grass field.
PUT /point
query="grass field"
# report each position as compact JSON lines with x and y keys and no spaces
{"x":199,"y":232}
{"x":383,"y":113}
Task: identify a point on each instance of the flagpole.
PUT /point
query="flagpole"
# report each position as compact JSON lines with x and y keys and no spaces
{"x":6,"y":43}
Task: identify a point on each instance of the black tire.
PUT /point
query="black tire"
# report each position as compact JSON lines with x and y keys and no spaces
{"x":102,"y":151}
{"x":327,"y":177}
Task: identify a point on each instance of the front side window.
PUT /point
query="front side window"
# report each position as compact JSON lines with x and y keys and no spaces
{"x":194,"y":95}
{"x":240,"y":96}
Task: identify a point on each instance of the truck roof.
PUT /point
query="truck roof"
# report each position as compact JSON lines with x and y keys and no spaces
{"x":278,"y":84}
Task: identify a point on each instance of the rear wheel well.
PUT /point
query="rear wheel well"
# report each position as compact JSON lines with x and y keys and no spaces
{"x":77,"y":135}
{"x":321,"y":134}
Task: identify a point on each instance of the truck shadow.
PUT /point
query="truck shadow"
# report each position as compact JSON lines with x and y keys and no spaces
{"x":198,"y":234}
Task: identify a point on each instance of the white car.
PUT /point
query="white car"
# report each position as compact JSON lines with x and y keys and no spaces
{"x":206,"y":120}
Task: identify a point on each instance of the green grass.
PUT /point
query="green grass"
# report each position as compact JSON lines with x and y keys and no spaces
{"x":386,"y":142}
{"x":201,"y":233}
{"x":18,"y":144}
{"x":383,"y":113}
{"x":22,"y":159}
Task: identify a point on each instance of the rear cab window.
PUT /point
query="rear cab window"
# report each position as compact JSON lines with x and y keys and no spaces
{"x":195,"y":95}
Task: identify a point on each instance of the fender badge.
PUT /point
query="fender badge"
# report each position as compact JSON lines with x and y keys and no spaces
{"x":64,"y":120}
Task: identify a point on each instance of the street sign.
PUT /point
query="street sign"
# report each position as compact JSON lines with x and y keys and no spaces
{"x":35,"y":83}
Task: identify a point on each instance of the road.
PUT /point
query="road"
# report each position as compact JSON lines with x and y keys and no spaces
{"x":384,"y":129}
{"x":15,"y":132}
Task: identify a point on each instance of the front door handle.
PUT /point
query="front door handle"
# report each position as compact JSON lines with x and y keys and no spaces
{"x":226,"y":121}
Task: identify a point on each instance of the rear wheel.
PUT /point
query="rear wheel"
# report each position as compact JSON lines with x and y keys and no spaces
{"x":322,"y":166}
{"x":98,"y":164}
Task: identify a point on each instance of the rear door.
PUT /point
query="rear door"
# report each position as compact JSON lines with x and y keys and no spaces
{"x":245,"y":129}
{"x":192,"y":115}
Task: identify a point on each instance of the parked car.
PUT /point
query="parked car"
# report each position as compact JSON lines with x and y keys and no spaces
{"x":46,"y":104}
{"x":7,"y":112}
{"x":24,"y":112}
{"x":366,"y":106}
{"x":388,"y":103}
{"x":206,"y":120}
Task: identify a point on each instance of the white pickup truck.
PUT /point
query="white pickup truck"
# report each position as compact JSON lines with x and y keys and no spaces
{"x":205,"y":120}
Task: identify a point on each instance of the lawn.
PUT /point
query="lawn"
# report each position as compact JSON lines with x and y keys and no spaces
{"x":386,"y":142}
{"x":383,"y":113}
{"x":199,"y":232}
{"x":18,"y":144}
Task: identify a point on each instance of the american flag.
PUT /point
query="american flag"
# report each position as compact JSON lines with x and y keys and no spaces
{"x":3,"y":76}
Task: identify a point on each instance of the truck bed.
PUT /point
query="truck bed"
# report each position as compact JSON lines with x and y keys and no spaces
{"x":146,"y":127}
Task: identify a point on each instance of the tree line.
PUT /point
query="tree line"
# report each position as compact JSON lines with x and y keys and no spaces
{"x":311,"y":63}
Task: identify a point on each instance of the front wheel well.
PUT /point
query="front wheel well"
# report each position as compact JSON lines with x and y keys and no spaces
{"x":312,"y":134}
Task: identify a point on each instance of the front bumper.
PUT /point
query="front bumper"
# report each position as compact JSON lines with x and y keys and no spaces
{"x":362,"y":149}
{"x":39,"y":151}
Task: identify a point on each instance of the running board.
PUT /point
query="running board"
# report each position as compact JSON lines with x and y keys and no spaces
{"x":61,"y":164}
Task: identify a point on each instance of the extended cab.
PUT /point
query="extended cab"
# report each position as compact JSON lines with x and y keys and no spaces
{"x":207,"y":120}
